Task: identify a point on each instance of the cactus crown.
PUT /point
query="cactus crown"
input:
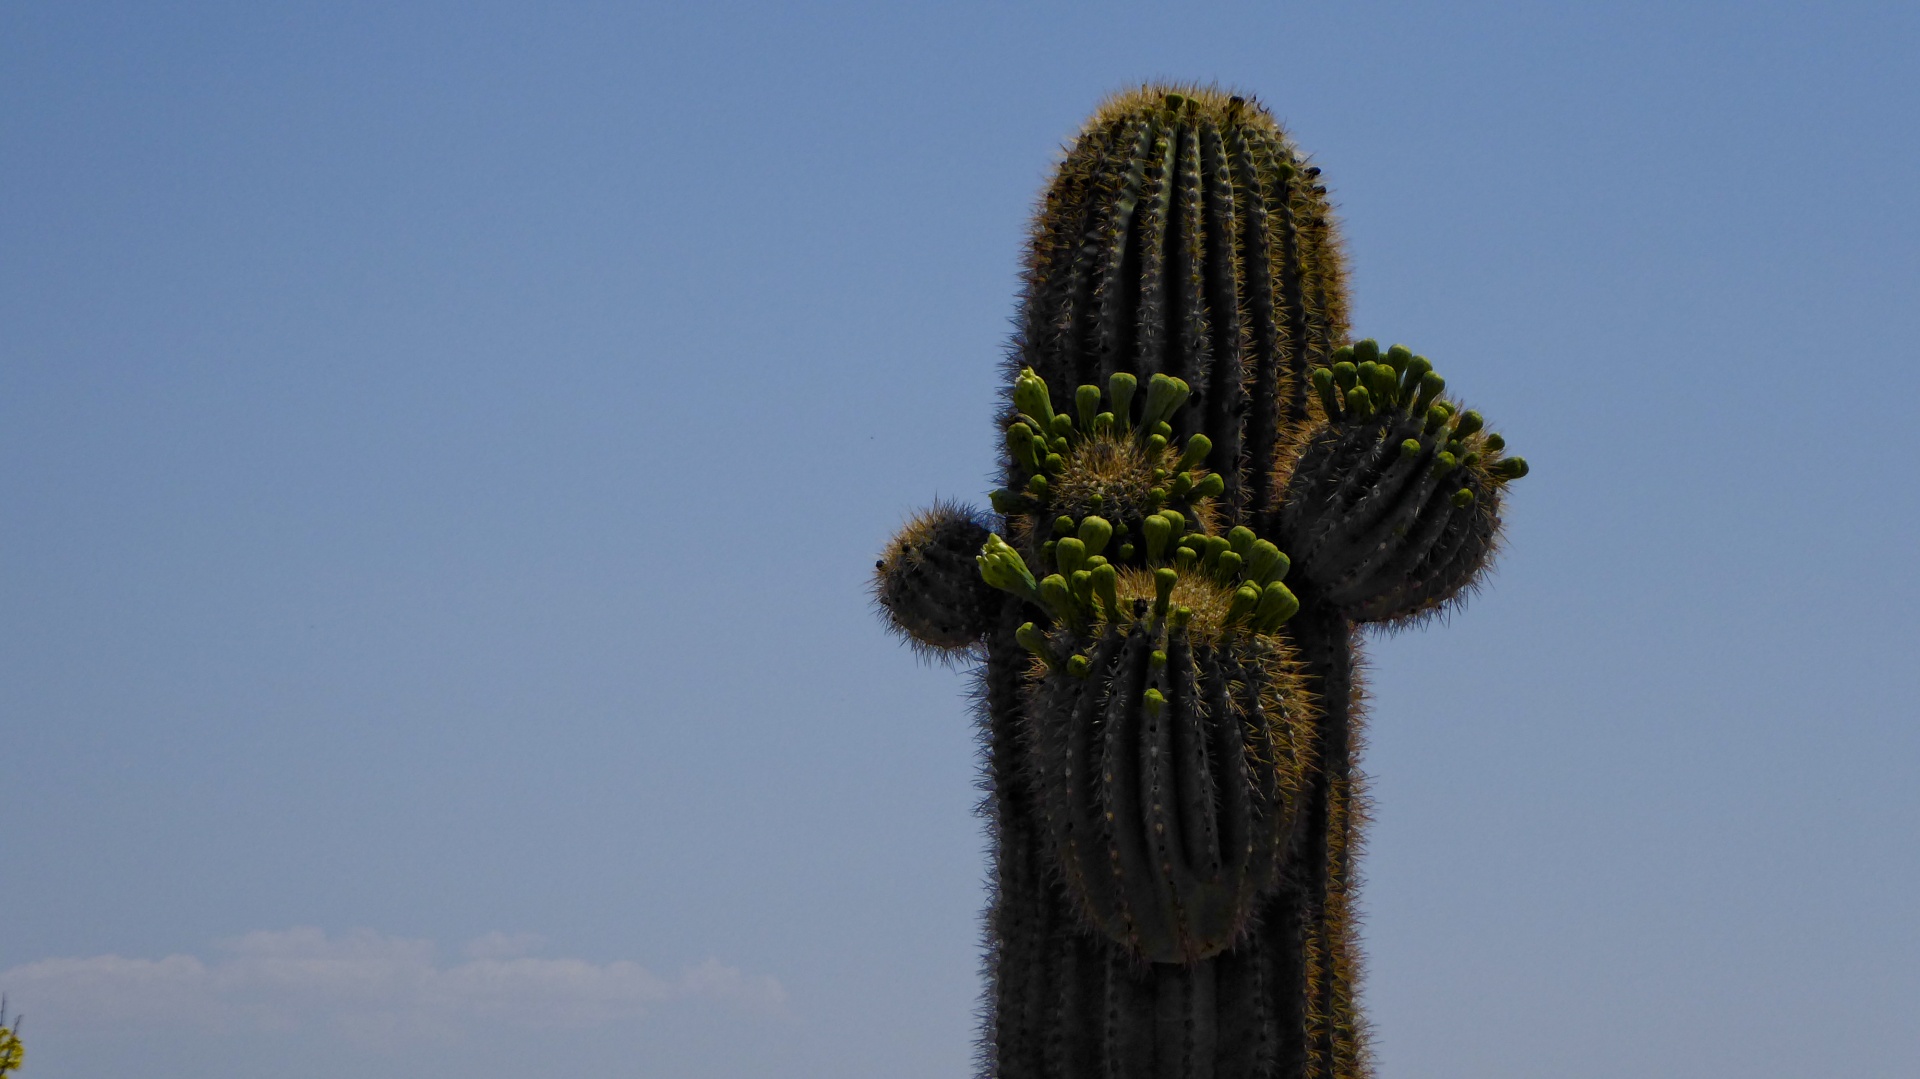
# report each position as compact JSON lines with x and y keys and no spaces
{"x":1184,"y":235}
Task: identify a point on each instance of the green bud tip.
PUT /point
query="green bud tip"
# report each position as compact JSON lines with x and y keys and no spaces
{"x":1510,"y":468}
{"x":1157,"y":659}
{"x":1079,"y":666}
{"x":1163,"y":581}
{"x":1344,"y":375}
{"x":1054,"y":464}
{"x":1398,"y":357}
{"x":1241,"y":539}
{"x":1163,"y":429}
{"x":1069,"y":554}
{"x":1468,"y":424}
{"x":1417,"y":369}
{"x":1034,"y":641}
{"x":1245,"y":599}
{"x":1180,"y":617}
{"x":1057,"y":595}
{"x":1120,"y":388}
{"x":1062,"y":425}
{"x":1211,"y":487}
{"x":1495,"y":443}
{"x":1228,"y":565}
{"x":1165,"y":395}
{"x":1322,"y":379}
{"x":1462,"y":498}
{"x":1361,"y":401}
{"x":1266,"y":562}
{"x":1030,"y":396}
{"x":1086,"y":401}
{"x":1007,"y":502}
{"x":1182,"y":483}
{"x":1156,"y":445}
{"x":1105,"y":586}
{"x":1103,"y":423}
{"x":1343,"y":354}
{"x":1176,"y":519}
{"x":1095,"y":532}
{"x":1277,"y":604}
{"x":1430,"y":386}
{"x":1197,"y":449}
{"x":1410,"y":448}
{"x":1063,"y":525}
{"x":1185,"y":557}
{"x":1366,"y":351}
{"x":1444,"y":463}
{"x":1436,"y":419}
{"x":1155,"y":702}
{"x":1126,"y":552}
{"x":1157,"y":531}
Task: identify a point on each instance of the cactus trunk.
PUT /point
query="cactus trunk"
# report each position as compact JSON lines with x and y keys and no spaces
{"x":1171,"y":732}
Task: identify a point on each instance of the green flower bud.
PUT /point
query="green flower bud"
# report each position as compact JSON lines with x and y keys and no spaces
{"x":1156,"y":659}
{"x":1055,"y":464}
{"x":1344,"y":375}
{"x":1177,"y":520}
{"x":1103,"y":424}
{"x":1360,"y":400}
{"x":1343,"y":354}
{"x":1197,"y":449}
{"x":1034,"y":641}
{"x":1398,"y":357}
{"x":1215,"y":547}
{"x":1277,"y":604}
{"x":1057,"y":596}
{"x":1410,"y":448}
{"x":1020,"y":447}
{"x":1227,"y":566}
{"x":1105,"y":588}
{"x":1265,"y":562}
{"x":1080,"y":584}
{"x":1436,"y":419}
{"x":1241,"y":539}
{"x":1444,"y":463}
{"x":1009,"y":503}
{"x":1469,"y":423}
{"x":1163,"y":581}
{"x":1509,"y":468}
{"x":1095,"y":532}
{"x":1163,"y":429}
{"x":1155,"y":702}
{"x":1367,"y":351}
{"x":1495,"y":443}
{"x":1245,"y":599}
{"x":1157,"y":530}
{"x":1030,"y":396}
{"x":1156,"y":497}
{"x":1430,"y":386}
{"x":1079,"y":666}
{"x":1069,"y":554}
{"x":1062,"y":426}
{"x":1210,"y":487}
{"x":1417,"y":369}
{"x":1120,"y":388}
{"x":1126,"y":552}
{"x":1156,"y":445}
{"x":1165,"y":395}
{"x":1046,"y":552}
{"x":1086,"y":401}
{"x":1462,"y":498}
{"x":1385,"y":385}
{"x":1185,"y":557}
{"x":1063,"y":525}
{"x":1322,"y":379}
{"x":1182,"y":483}
{"x":1180,"y":617}
{"x":1002,"y":567}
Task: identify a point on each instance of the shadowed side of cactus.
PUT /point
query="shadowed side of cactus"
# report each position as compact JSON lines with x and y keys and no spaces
{"x":1171,"y":719}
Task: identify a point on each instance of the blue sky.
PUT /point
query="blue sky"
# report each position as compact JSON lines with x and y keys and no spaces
{"x":442,"y":448}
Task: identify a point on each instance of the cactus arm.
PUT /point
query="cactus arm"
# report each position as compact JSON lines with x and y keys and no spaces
{"x":1393,"y":505}
{"x":928,"y":584}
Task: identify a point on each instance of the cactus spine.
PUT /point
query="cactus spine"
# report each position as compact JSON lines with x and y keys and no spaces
{"x":1170,"y":717}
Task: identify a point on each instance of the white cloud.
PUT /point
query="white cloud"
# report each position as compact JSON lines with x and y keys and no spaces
{"x":369,"y":986}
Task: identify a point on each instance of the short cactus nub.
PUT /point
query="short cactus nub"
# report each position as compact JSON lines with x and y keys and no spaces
{"x":1203,"y":489}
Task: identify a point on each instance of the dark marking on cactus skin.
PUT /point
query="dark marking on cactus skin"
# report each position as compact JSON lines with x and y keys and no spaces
{"x":1170,"y":733}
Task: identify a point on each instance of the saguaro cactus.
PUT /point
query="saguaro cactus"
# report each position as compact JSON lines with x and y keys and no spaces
{"x":1170,"y":706}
